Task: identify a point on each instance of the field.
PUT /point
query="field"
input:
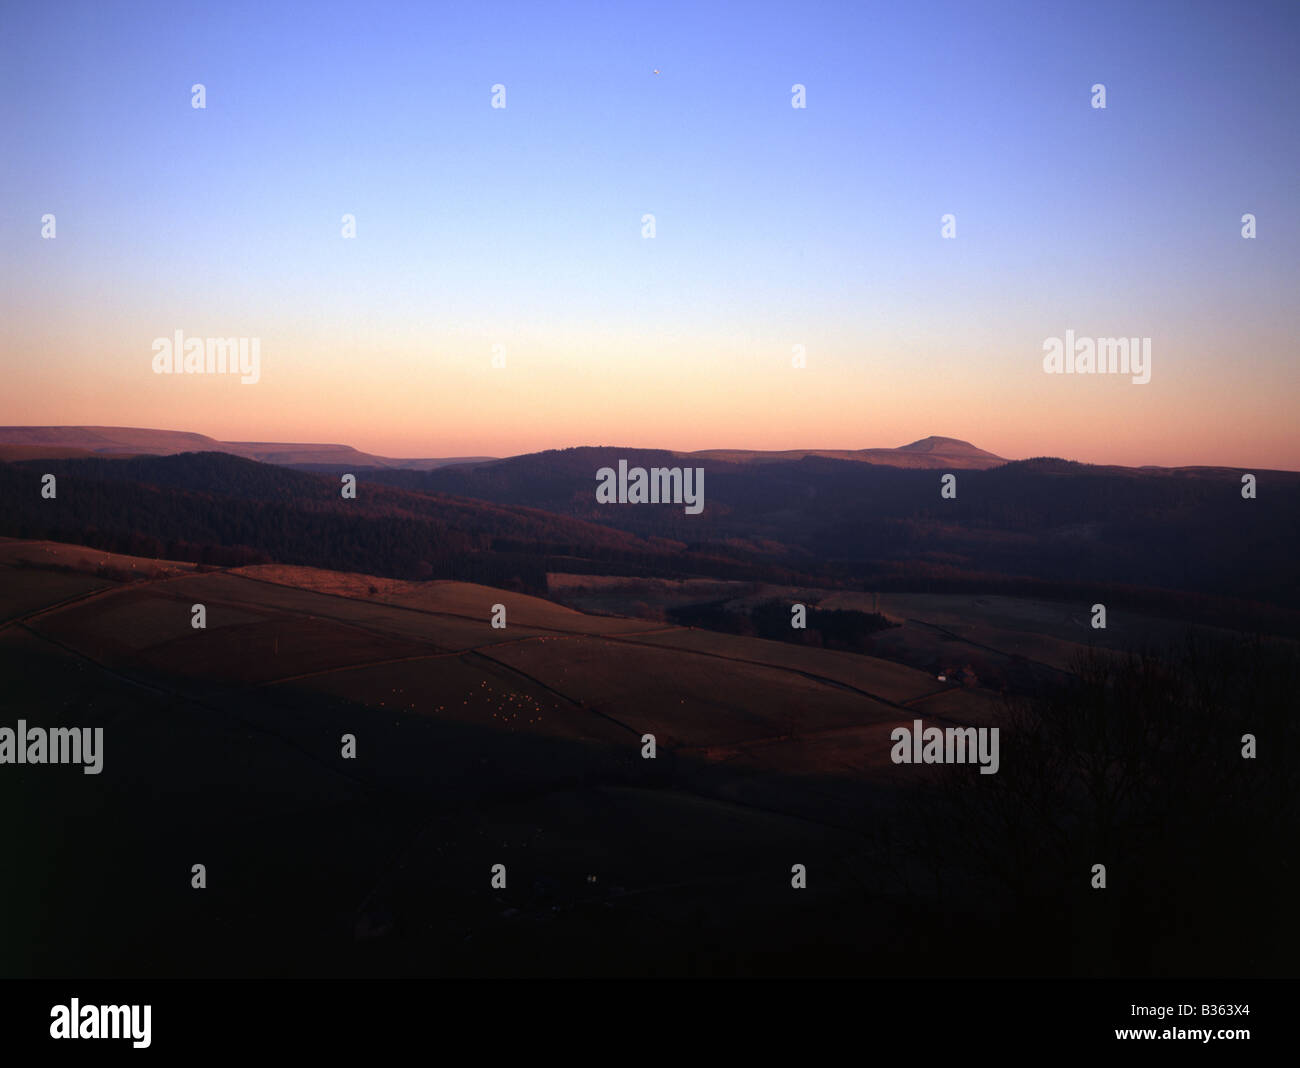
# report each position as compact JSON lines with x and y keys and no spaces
{"x":1006,"y":643}
{"x":520,"y":746}
{"x":475,"y":746}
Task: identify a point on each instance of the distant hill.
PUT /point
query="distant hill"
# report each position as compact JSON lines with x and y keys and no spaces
{"x":117,"y":442}
{"x":213,"y":508}
{"x":887,"y":525}
{"x":931,"y":452}
{"x":110,"y":441}
{"x":1040,"y":527}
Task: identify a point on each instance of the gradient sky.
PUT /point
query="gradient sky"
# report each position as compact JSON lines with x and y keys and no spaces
{"x":521,"y":227}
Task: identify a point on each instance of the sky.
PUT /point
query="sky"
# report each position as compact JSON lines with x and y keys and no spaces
{"x":518,"y":231}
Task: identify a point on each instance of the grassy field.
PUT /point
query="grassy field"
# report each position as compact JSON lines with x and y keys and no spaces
{"x":1007,"y":643}
{"x":475,"y":746}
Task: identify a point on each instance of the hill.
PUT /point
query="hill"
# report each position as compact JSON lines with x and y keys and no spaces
{"x":350,"y":757}
{"x":887,"y":527}
{"x":929,"y":453}
{"x":1167,"y":542}
{"x":214,"y":508}
{"x":475,"y":745}
{"x":74,"y":441}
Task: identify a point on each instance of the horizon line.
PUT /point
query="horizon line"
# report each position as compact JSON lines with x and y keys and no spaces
{"x":638,"y":448}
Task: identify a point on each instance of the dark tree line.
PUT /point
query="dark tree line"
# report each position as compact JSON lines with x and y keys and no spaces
{"x":1136,"y":764}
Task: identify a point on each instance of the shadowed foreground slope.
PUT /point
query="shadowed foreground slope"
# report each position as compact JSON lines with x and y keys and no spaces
{"x":475,"y":747}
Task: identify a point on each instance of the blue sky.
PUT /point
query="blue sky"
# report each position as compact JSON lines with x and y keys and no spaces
{"x":775,"y":225}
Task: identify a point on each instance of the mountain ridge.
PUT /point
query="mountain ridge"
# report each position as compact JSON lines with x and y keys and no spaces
{"x":17,"y":442}
{"x":41,"y":442}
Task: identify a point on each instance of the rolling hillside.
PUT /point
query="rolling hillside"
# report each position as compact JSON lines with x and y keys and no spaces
{"x":475,"y":746}
{"x":350,"y":756}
